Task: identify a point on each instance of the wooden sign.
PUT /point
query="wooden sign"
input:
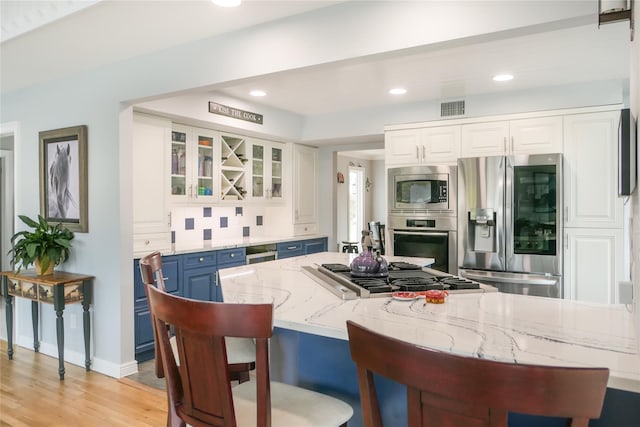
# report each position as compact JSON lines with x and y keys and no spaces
{"x":236,"y":113}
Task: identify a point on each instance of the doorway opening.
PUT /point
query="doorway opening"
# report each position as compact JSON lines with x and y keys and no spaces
{"x":6,"y":194}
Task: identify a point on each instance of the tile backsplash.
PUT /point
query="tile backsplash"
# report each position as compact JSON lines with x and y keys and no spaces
{"x":198,"y":224}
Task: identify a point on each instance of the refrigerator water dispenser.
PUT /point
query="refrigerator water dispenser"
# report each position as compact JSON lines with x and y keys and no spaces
{"x":482,"y":230}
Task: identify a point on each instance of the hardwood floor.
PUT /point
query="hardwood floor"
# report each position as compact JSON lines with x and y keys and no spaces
{"x":32,"y":395}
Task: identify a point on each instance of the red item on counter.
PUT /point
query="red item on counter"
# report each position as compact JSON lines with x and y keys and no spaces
{"x":436,"y":296}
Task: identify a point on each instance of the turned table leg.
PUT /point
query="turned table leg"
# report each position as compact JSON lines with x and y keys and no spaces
{"x":34,"y":321}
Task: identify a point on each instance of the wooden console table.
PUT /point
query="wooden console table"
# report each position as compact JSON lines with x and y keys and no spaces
{"x":59,"y":288}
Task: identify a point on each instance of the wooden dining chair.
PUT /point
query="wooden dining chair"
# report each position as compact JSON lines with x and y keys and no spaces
{"x":449,"y":390}
{"x":242,"y":353}
{"x":199,"y":392}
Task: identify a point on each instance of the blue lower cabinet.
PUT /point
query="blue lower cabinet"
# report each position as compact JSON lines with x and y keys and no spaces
{"x":314,"y":246}
{"x":144,"y":335}
{"x":143,"y":329}
{"x":231,"y":257}
{"x":290,"y":249}
{"x":200,"y":283}
{"x":199,"y":275}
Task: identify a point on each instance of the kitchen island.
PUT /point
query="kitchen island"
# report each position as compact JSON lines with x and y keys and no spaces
{"x":310,"y":345}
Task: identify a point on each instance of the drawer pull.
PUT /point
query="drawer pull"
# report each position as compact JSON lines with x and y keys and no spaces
{"x":290,"y":248}
{"x":232,"y":255}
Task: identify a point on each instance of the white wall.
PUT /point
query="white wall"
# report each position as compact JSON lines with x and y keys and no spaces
{"x":634,"y":103}
{"x":100,"y":98}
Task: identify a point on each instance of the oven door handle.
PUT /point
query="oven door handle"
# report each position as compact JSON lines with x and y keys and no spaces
{"x":422,"y":233}
{"x":515,"y":280}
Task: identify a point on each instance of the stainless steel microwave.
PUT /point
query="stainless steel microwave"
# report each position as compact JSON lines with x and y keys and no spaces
{"x":422,"y":189}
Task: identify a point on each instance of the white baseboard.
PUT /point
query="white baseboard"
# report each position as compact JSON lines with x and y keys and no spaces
{"x":77,"y":358}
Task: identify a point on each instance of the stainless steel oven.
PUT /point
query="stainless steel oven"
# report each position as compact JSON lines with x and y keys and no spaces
{"x":427,"y":237}
{"x":261,"y":253}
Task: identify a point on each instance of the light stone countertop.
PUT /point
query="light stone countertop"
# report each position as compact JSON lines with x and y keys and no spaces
{"x":492,"y":325}
{"x":218,"y":244}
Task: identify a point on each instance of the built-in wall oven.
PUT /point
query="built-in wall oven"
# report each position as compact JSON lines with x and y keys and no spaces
{"x":422,"y":214}
{"x":426,"y":238}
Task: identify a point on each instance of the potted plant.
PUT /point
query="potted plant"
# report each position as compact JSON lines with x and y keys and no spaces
{"x":46,"y":246}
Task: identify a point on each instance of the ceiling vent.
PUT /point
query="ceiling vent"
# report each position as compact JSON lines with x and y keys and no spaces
{"x":455,"y":108}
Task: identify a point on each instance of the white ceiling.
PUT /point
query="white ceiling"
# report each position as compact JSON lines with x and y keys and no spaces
{"x":574,"y":55}
{"x":115,"y":30}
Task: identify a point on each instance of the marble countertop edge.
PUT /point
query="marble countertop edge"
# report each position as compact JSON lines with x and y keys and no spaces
{"x":492,"y":325}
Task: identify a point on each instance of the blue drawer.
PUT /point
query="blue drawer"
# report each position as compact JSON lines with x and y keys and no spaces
{"x":200,"y":259}
{"x":235,"y":256}
{"x":290,"y":249}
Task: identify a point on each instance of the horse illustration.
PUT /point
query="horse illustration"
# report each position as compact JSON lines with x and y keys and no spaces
{"x":59,"y":194}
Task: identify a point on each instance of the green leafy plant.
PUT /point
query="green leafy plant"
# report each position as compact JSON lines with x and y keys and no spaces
{"x":46,"y":243}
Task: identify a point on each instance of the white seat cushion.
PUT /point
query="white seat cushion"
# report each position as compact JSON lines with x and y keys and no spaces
{"x":290,"y":407}
{"x":239,"y":350}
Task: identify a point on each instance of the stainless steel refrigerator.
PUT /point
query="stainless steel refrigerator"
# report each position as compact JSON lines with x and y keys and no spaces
{"x":509,"y":223}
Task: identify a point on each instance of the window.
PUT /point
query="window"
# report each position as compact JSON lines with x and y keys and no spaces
{"x":356,"y":203}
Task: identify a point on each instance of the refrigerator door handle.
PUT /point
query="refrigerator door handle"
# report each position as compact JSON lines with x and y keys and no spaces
{"x":483,"y":279}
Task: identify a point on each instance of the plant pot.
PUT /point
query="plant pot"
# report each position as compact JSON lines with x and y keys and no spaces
{"x":39,"y":271}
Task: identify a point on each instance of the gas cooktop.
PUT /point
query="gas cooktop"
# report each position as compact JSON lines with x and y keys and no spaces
{"x":402,"y":277}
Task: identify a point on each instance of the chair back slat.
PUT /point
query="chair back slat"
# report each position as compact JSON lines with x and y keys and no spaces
{"x":450,"y":390}
{"x":151,"y":272}
{"x":200,"y":386}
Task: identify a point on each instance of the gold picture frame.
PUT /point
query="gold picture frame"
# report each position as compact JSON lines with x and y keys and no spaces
{"x":63,"y":177}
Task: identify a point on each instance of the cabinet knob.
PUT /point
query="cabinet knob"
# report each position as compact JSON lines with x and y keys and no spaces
{"x":146,"y":242}
{"x":232,"y":255}
{"x":201,"y":259}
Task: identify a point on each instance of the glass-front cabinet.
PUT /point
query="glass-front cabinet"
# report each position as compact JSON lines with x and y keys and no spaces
{"x":208,"y":166}
{"x":192,"y":164}
{"x":266,"y":170}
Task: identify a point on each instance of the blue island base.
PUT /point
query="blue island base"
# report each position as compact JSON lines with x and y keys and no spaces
{"x":324,"y":364}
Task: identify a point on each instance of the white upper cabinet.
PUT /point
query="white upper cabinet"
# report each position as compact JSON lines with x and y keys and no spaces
{"x":427,"y":146}
{"x":402,"y":147}
{"x":267,"y":163}
{"x":535,"y":136}
{"x":485,"y":139}
{"x":192,"y":164}
{"x":590,"y":171}
{"x":441,"y":145}
{"x":523,"y":136}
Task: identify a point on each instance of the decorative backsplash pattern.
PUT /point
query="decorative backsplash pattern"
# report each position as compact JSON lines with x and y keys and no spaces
{"x":198,"y":224}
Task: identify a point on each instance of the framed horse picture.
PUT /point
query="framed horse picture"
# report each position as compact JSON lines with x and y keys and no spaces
{"x":63,"y":177}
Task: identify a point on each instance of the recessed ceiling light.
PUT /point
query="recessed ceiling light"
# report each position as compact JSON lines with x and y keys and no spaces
{"x":227,"y":3}
{"x":398,"y":91}
{"x":502,"y":77}
{"x":257,"y":93}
